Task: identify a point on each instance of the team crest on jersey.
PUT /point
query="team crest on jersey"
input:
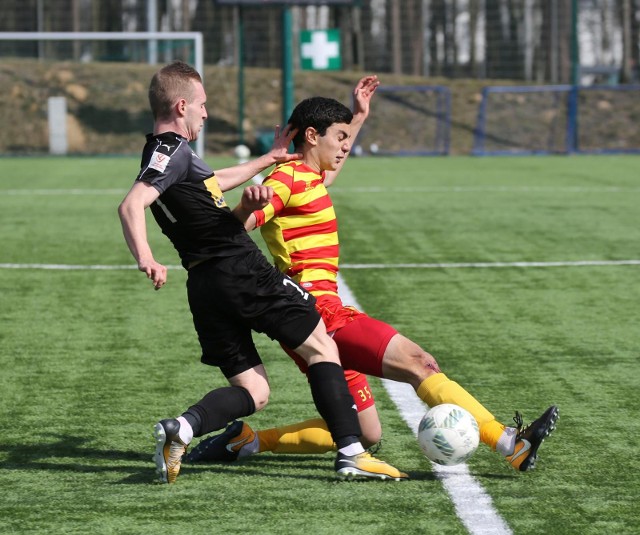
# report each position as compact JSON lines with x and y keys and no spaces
{"x":216,"y":194}
{"x":159,"y":161}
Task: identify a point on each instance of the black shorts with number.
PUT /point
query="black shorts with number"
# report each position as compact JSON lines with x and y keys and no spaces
{"x":229,"y":297}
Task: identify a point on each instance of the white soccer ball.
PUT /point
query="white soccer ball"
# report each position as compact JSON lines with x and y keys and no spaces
{"x":448,"y":434}
{"x":373,"y":148}
{"x":242,"y":152}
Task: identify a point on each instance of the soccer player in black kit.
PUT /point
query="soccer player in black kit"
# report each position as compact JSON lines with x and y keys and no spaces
{"x":232,"y":289}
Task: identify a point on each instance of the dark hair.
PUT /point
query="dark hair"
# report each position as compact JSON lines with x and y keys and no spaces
{"x":169,"y":84}
{"x":319,"y":113}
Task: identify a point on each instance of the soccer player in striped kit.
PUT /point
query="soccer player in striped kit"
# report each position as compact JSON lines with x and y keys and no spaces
{"x":300,"y":228}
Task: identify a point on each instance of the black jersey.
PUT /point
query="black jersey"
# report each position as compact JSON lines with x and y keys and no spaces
{"x":191,"y":209}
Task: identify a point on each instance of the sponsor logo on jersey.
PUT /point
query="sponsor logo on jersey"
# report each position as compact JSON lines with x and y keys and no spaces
{"x":159,"y":161}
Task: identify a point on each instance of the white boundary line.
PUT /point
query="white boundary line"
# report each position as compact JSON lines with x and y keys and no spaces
{"x":72,"y":267}
{"x":363,"y":189}
{"x":577,"y":263}
{"x":473,"y":505}
{"x":74,"y":191}
{"x":484,"y":189}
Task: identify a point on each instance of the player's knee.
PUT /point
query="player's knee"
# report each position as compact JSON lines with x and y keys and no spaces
{"x":412,"y":366}
{"x":418,"y":365}
{"x":319,"y":347}
{"x":260,"y":396}
{"x":428,"y":364}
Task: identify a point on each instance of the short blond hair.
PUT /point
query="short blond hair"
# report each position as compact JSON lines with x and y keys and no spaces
{"x":168,"y":85}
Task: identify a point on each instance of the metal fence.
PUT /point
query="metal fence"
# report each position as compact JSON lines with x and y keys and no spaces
{"x":538,"y":41}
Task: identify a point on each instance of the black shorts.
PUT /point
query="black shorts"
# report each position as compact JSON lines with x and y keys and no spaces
{"x":230,"y":297}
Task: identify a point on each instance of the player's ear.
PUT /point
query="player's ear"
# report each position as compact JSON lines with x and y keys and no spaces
{"x":181,"y":106}
{"x":311,"y":135}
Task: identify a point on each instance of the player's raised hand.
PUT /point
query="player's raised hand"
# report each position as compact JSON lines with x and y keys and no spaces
{"x":281,"y":140}
{"x":363,"y":93}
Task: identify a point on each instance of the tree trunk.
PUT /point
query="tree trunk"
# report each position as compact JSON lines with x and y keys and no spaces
{"x":626,"y":15}
{"x":396,"y":37}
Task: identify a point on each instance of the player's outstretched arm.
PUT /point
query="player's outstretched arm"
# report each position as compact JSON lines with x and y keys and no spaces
{"x":134,"y":227}
{"x":362,"y":95}
{"x":231,"y":177}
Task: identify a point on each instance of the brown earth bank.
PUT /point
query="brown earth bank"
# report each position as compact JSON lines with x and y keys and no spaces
{"x":107,"y":107}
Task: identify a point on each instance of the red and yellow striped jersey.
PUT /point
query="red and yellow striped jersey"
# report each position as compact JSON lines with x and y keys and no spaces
{"x":299,"y":226}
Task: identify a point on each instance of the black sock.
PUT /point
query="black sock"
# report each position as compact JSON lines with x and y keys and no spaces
{"x":334,"y":402}
{"x":218,"y":408}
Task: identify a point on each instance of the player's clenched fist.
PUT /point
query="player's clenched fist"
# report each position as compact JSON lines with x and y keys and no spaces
{"x":256,"y":197}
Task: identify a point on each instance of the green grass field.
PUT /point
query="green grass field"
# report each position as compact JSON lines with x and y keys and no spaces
{"x":92,"y":358}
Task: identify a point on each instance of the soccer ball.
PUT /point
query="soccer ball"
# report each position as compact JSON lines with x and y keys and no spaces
{"x":448,"y":434}
{"x":242,"y":152}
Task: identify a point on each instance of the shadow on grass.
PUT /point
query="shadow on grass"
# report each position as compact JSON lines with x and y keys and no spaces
{"x":74,"y":454}
{"x":61,"y":456}
{"x":279,"y":464}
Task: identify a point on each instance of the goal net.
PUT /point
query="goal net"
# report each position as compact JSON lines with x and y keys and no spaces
{"x":408,"y":121}
{"x":558,"y":119}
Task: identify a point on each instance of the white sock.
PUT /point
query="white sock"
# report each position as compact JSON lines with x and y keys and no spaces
{"x":352,"y":449}
{"x":507,"y":441}
{"x":185,"y":433}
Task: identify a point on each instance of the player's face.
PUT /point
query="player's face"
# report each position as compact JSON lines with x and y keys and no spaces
{"x":195,"y":112}
{"x":334,"y":146}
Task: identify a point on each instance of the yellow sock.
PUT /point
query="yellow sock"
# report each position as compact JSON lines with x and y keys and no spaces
{"x":310,"y":436}
{"x":438,"y":388}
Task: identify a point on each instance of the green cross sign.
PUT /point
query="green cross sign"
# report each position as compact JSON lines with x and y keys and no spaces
{"x":320,"y":50}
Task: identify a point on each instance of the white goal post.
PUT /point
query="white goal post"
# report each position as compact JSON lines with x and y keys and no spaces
{"x":151,"y":37}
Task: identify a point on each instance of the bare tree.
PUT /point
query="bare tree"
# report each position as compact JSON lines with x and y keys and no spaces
{"x":396,"y":37}
{"x":564,"y":40}
{"x":635,"y":38}
{"x":437,"y":33}
{"x":504,"y":52}
{"x":107,"y":17}
{"x":625,"y":21}
{"x":474,"y":14}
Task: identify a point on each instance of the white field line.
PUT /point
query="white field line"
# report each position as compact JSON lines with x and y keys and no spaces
{"x":473,"y":505}
{"x":78,"y":191}
{"x":462,"y":265}
{"x":484,"y":189}
{"x":364,"y":189}
{"x":573,"y":263}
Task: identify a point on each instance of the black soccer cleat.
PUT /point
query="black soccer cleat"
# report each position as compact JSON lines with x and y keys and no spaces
{"x":224,"y":447}
{"x":529,"y":439}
